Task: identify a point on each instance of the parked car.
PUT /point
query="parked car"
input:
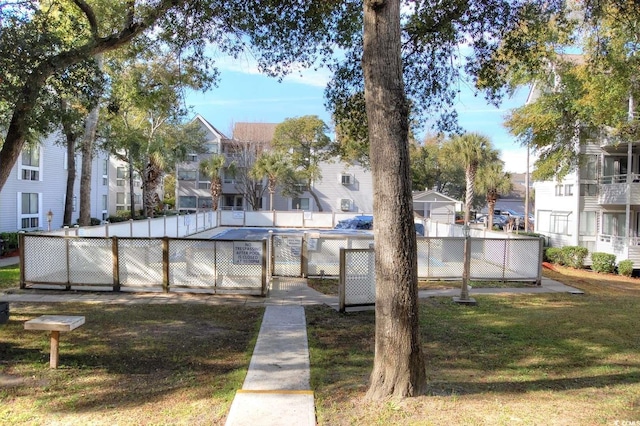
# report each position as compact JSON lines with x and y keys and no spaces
{"x":366,"y":223}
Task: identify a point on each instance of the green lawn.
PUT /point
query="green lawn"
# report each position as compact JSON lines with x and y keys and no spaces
{"x":129,"y":364}
{"x":513,"y":359}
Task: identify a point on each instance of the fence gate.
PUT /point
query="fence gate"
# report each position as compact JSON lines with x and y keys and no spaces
{"x":286,"y":255}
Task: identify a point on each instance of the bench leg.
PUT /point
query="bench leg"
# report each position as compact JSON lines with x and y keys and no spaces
{"x":53,"y":356}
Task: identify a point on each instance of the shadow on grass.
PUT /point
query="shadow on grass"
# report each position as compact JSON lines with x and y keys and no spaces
{"x":506,"y":344}
{"x":125,"y":356}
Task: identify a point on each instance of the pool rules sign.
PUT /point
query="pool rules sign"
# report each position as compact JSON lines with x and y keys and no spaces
{"x":247,"y":253}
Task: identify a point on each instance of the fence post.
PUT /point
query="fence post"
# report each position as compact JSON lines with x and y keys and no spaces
{"x":116,"y":263}
{"x":68,"y":286}
{"x":165,"y":264}
{"x":540,"y":259}
{"x":22,"y":262}
{"x":304,"y":266}
{"x":342,"y":281}
{"x":264,"y":267}
{"x":149,"y":227}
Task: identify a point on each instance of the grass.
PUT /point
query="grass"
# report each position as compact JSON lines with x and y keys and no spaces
{"x":513,"y":359}
{"x":330,"y":285}
{"x":9,"y":277}
{"x":128,"y":364}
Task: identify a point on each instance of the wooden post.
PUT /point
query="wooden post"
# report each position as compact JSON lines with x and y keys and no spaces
{"x":55,"y":344}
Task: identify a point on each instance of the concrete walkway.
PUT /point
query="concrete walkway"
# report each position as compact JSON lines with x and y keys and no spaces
{"x":276,"y":390}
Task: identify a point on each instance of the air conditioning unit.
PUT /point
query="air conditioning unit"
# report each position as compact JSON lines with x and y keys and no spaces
{"x":345,"y":204}
{"x":346,"y":179}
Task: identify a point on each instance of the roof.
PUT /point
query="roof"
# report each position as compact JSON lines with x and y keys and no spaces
{"x":254,"y":132}
{"x":209,"y":126}
{"x":432,"y":196}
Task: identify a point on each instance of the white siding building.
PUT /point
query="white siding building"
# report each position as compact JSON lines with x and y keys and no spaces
{"x":37,"y":185}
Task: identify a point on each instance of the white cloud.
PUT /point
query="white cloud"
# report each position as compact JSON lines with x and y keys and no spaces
{"x":298,"y":74}
{"x":515,"y":160}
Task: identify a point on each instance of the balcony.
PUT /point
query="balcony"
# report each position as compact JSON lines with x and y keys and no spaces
{"x":614,"y":189}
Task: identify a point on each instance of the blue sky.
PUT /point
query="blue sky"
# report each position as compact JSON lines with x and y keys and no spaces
{"x":244,"y":95}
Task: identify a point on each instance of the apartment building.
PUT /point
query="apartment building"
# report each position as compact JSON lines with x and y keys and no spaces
{"x":37,"y":185}
{"x":343,"y":187}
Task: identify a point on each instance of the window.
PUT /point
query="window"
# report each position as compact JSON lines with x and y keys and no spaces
{"x":213,"y":148}
{"x":105,"y":172}
{"x":559,"y":223}
{"x":558,"y":190}
{"x":192,"y":157}
{"x":104,"y":202}
{"x":137,"y":198}
{"x":589,"y":168}
{"x":613,"y":224}
{"x":121,"y":175}
{"x":121,"y":198}
{"x":29,"y":210}
{"x":205,"y":202}
{"x":187,"y":175}
{"x":204,"y":185}
{"x":186,"y":202}
{"x":588,"y":189}
{"x":228,"y":176}
{"x":587,"y":223}
{"x":30,"y":164}
{"x":346,"y":179}
{"x":300,"y":204}
{"x":568,"y":190}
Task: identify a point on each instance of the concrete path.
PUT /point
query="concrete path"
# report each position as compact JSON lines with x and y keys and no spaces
{"x":276,"y":390}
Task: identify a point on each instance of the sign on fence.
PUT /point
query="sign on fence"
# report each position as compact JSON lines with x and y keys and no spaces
{"x":247,"y":253}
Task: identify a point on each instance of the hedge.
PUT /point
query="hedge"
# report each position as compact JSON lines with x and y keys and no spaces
{"x":603,"y":262}
{"x":625,"y":267}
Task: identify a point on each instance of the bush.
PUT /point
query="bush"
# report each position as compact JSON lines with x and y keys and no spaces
{"x":603,"y":262}
{"x":10,"y":241}
{"x":554,"y":255}
{"x":574,"y":256}
{"x":625,"y":267}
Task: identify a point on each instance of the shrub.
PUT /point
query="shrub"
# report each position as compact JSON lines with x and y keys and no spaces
{"x":603,"y":262}
{"x":10,"y":241}
{"x":554,"y":255}
{"x":625,"y":267}
{"x":574,"y":256}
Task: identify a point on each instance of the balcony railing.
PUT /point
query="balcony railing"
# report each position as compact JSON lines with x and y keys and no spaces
{"x":635,"y":178}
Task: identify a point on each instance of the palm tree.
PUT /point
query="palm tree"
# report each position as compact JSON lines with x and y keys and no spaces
{"x":273,"y":166}
{"x":470,"y":150}
{"x":211,"y":167}
{"x":493,"y":181}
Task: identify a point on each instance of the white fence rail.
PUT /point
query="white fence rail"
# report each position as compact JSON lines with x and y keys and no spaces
{"x":166,"y":226}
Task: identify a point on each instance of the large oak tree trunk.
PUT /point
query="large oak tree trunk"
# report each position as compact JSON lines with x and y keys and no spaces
{"x":399,"y":368}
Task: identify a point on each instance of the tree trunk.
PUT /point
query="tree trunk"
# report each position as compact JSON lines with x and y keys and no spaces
{"x":216,"y":189}
{"x":71,"y":175}
{"x":399,"y":368}
{"x":315,"y":198}
{"x":132,"y":194}
{"x":87,"y":148}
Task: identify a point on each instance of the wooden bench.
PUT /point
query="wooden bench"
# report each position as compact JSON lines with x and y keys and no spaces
{"x":55,"y":324}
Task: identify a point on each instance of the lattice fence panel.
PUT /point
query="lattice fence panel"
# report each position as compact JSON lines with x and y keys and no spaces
{"x":192,"y":263}
{"x":360,"y":282}
{"x":45,"y":259}
{"x":440,"y":257}
{"x":287,"y":253}
{"x":323,"y":256}
{"x":91,"y":261}
{"x":323,"y":253}
{"x":239,"y":264}
{"x":140,"y":262}
{"x":522,"y":259}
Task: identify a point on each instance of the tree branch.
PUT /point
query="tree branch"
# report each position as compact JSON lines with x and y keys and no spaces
{"x":91,"y":16}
